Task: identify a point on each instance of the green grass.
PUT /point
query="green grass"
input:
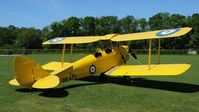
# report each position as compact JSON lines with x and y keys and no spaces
{"x":145,"y":94}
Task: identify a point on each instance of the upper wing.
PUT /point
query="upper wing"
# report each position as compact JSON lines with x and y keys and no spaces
{"x":117,"y":37}
{"x":152,"y":34}
{"x":143,"y":70}
{"x":73,"y":40}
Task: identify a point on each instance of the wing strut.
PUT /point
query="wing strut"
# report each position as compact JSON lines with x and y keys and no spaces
{"x":71,"y":53}
{"x":149,"y":57}
{"x":63,"y":54}
{"x":159,"y":50}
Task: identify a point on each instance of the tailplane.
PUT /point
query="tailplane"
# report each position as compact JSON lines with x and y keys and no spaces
{"x":29,"y":73}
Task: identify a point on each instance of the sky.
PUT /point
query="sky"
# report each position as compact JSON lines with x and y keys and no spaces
{"x":41,"y":13}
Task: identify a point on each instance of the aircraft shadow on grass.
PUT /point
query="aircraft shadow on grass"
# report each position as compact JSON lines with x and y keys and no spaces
{"x":147,"y":83}
{"x":137,"y":82}
{"x":54,"y":92}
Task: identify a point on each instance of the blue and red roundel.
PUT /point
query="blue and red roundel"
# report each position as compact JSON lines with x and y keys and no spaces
{"x":56,"y":40}
{"x":167,"y":32}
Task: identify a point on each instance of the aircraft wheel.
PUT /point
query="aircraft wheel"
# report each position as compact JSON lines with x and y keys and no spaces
{"x":102,"y":77}
{"x":127,"y":78}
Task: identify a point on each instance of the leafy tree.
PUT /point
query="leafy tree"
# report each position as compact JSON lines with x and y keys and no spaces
{"x":56,"y":29}
{"x":159,"y":21}
{"x":12,"y":36}
{"x":106,"y":25}
{"x":88,"y":26}
{"x":193,"y":22}
{"x":128,"y":24}
{"x":29,"y":38}
{"x":143,"y":25}
{"x":194,"y":42}
{"x":177,"y":20}
{"x":46,"y":33}
{"x":71,"y":26}
{"x":6,"y":37}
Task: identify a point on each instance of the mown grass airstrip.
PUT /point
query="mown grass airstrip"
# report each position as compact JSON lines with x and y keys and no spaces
{"x":145,"y":94}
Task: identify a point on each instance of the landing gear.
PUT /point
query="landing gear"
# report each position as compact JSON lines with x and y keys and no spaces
{"x":102,"y":77}
{"x":127,"y":78}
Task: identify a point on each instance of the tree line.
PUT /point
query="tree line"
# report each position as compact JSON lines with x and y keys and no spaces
{"x":31,"y":38}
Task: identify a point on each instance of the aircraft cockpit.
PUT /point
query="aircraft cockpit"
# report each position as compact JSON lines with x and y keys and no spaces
{"x":98,"y":53}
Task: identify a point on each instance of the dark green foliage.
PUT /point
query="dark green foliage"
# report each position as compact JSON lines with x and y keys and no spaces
{"x":29,"y":38}
{"x":88,"y":26}
{"x":159,"y":21}
{"x":194,"y":23}
{"x":128,"y":24}
{"x":194,"y":42}
{"x":71,"y":26}
{"x":106,"y":25}
{"x":177,"y":20}
{"x":143,"y":25}
{"x":12,"y":37}
{"x":56,"y":29}
{"x":7,"y":37}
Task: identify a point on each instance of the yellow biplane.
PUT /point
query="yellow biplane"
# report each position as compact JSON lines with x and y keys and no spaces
{"x":109,"y":61}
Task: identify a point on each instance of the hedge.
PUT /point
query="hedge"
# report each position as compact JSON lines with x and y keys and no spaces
{"x":137,"y":51}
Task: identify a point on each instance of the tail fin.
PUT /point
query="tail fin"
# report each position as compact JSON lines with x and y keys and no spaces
{"x":27,"y":71}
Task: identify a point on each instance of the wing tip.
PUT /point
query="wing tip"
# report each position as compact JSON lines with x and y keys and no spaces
{"x":188,"y":29}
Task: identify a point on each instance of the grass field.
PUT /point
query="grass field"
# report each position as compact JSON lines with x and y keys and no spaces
{"x":145,"y":94}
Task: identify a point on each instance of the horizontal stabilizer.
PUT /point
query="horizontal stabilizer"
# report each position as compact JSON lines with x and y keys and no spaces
{"x":143,"y":70}
{"x":47,"y":82}
{"x":54,"y":65}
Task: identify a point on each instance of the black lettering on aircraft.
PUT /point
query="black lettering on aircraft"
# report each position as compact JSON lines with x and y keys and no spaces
{"x":72,"y":77}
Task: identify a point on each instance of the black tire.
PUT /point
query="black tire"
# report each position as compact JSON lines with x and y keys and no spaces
{"x":102,"y":77}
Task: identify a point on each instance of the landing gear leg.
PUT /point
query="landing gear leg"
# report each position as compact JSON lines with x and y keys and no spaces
{"x":102,"y":77}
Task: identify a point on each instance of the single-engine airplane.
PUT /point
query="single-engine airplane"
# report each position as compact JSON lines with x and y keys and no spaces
{"x":30,"y":74}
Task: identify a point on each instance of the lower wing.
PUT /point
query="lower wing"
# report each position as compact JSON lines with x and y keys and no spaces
{"x":143,"y":70}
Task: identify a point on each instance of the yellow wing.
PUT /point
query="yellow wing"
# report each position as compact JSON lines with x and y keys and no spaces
{"x":143,"y":70}
{"x":73,"y":40}
{"x":152,"y":34}
{"x":79,"y":39}
{"x":120,"y":37}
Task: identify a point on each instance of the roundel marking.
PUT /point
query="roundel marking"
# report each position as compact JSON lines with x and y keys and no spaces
{"x":167,"y":32}
{"x":92,"y":69}
{"x":56,"y":40}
